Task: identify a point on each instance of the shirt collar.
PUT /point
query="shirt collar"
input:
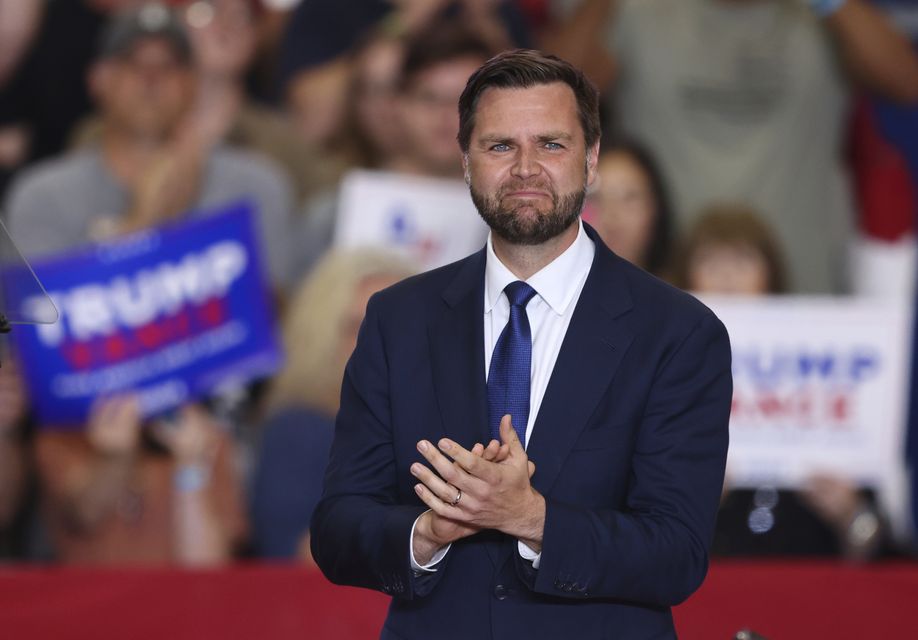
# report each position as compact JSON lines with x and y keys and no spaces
{"x":552,"y":282}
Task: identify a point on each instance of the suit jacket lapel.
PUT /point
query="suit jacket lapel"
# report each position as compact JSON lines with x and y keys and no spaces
{"x":592,"y":349}
{"x":457,"y":355}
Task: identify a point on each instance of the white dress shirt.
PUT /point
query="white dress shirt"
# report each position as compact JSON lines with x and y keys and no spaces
{"x":558,"y":286}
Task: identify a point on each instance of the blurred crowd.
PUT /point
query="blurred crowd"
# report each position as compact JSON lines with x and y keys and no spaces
{"x":740,"y":156}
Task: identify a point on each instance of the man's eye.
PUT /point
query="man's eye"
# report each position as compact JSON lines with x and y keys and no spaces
{"x":553,"y":146}
{"x":500,"y":147}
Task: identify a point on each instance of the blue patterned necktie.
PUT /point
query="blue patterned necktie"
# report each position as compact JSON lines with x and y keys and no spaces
{"x":508,"y":375}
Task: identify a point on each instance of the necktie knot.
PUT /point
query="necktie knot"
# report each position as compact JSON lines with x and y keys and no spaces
{"x":519,"y":293}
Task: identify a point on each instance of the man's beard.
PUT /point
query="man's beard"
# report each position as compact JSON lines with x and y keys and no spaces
{"x":511,"y":226}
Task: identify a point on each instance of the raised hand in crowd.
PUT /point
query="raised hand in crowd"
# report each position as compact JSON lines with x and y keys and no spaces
{"x":875,"y":53}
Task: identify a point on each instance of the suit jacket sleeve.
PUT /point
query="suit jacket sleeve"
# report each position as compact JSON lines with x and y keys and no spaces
{"x":655,"y":550}
{"x":360,"y":531}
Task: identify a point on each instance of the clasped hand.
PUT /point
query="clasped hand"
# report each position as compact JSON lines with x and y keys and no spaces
{"x":495,"y":487}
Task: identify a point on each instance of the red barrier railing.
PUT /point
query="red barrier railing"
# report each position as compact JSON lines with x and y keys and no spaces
{"x":780,"y":600}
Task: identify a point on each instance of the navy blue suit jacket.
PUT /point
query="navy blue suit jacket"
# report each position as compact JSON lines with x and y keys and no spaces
{"x":629,"y":445}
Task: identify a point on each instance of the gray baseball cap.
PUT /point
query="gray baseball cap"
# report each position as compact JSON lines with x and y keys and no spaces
{"x":149,"y":20}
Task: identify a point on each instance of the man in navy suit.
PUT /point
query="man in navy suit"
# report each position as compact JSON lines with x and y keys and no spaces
{"x":602,"y":393}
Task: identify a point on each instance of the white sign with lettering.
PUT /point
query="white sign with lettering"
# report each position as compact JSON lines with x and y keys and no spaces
{"x":431,"y":221}
{"x":820,"y":386}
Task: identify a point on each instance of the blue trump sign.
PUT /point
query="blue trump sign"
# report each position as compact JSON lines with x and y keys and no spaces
{"x":169,"y":313}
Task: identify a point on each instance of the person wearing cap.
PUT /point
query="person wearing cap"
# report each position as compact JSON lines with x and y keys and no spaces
{"x":152,"y":162}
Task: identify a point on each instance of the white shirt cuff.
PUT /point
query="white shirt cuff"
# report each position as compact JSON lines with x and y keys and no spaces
{"x":529,"y":554}
{"x":431,"y":566}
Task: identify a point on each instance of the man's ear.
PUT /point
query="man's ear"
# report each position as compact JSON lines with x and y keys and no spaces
{"x":592,"y":159}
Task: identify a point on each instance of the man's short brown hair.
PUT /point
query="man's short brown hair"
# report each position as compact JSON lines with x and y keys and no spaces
{"x":522,"y":69}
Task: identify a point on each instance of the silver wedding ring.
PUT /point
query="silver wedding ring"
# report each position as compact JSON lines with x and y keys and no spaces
{"x":458,"y":498}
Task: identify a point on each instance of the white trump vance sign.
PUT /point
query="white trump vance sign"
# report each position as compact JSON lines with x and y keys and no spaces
{"x":431,"y":221}
{"x":820,"y":385}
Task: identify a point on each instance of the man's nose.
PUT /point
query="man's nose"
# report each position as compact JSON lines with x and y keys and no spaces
{"x":526,"y":164}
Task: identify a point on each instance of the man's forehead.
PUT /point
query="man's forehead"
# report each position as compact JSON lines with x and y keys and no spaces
{"x":552,"y":104}
{"x":556,"y":98}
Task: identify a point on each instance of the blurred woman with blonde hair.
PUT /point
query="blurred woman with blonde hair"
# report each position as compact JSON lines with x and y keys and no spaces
{"x":319,"y":333}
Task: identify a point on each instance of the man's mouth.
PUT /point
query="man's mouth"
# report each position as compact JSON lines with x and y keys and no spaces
{"x":527,"y":194}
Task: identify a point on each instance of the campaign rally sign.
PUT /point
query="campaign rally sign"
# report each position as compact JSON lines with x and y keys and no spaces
{"x":169,"y":313}
{"x":819,"y":386}
{"x":431,"y":221}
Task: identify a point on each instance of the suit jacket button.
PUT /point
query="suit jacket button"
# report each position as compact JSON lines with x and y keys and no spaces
{"x":500,"y":592}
